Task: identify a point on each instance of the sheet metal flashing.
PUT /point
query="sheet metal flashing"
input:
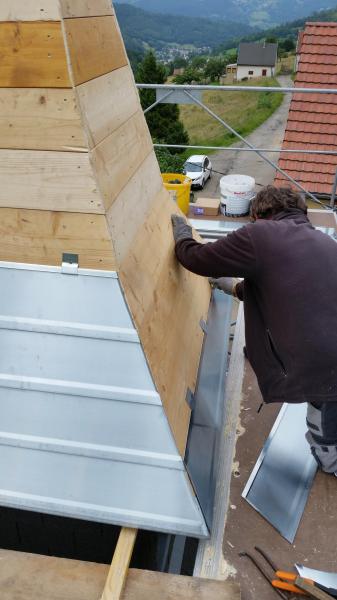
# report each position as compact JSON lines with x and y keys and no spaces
{"x":83,"y":432}
{"x":209,"y":401}
{"x":280,"y":483}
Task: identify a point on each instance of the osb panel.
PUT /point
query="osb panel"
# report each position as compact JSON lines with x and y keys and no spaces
{"x":41,"y":237}
{"x":167,"y":303}
{"x":33,"y":55}
{"x":95,"y":47}
{"x":40,"y":119}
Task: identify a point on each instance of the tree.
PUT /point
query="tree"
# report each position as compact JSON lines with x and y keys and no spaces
{"x":287,"y":45}
{"x":163,"y":120}
{"x":215,"y":68}
{"x":169,"y":163}
{"x":271,"y":40}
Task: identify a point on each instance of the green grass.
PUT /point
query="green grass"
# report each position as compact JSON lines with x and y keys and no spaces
{"x":244,"y":111}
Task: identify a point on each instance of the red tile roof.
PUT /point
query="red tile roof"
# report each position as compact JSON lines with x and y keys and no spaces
{"x":312,"y":120}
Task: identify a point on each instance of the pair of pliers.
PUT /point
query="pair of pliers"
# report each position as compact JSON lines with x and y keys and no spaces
{"x":286,"y":581}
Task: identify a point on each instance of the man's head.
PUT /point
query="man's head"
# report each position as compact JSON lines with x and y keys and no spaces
{"x":272,"y":200}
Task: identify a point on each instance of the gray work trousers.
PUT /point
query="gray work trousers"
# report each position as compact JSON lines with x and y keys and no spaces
{"x":322,"y":434}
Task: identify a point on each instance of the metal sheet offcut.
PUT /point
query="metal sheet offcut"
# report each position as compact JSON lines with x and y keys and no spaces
{"x":279,"y":485}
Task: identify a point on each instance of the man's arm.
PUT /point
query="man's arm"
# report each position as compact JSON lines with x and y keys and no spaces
{"x":232,"y":256}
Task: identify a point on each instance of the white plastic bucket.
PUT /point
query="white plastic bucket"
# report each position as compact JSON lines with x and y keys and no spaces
{"x":237,"y":192}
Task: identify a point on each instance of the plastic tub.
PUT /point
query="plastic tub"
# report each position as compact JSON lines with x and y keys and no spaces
{"x":179,"y":187}
{"x":237,"y":191}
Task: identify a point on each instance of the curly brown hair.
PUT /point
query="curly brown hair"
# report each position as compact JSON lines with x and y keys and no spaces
{"x":272,"y":200}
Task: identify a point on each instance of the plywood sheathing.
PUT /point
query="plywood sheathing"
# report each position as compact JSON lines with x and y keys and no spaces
{"x":167,"y":303}
{"x":41,"y":236}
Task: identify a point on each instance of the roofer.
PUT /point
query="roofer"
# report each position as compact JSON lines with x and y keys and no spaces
{"x":290,"y":302}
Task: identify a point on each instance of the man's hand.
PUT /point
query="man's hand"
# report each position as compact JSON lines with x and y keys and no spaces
{"x":225,"y":284}
{"x":181,"y":229}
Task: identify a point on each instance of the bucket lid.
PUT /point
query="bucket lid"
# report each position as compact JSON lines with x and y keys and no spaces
{"x":237,"y":182}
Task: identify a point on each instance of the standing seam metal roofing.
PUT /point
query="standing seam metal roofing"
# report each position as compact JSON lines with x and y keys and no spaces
{"x":312,"y":121}
{"x":83,"y":432}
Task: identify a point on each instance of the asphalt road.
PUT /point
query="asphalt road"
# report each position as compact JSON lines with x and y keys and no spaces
{"x":268,"y":135}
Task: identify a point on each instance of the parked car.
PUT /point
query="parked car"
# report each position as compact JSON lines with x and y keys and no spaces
{"x":198,"y":168}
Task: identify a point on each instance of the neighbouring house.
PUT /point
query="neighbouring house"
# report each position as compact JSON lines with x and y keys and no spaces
{"x":178,"y":71}
{"x":256,"y":60}
{"x":232,"y":69}
{"x":312,"y":119}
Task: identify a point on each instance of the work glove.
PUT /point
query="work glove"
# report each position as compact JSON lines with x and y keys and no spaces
{"x":181,"y":229}
{"x":225,"y":284}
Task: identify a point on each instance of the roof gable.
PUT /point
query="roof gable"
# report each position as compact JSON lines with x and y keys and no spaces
{"x":257,"y":55}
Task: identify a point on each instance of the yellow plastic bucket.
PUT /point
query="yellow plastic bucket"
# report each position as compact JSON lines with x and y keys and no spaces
{"x":180,"y":192}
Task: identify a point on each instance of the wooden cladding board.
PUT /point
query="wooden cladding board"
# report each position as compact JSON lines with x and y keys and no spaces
{"x":85,"y":8}
{"x":167,"y":303}
{"x":41,"y":237}
{"x":107,"y":103}
{"x":95,"y":47}
{"x":32,"y":577}
{"x":120,"y":155}
{"x":40,"y":119}
{"x":29,"y":10}
{"x":48,"y":180}
{"x":133,"y":204}
{"x":33,"y":55}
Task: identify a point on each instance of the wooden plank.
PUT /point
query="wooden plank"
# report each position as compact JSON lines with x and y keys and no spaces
{"x":119,"y":156}
{"x":167,"y":303}
{"x":85,"y":8}
{"x":40,"y":237}
{"x":95,"y":47}
{"x":33,"y":577}
{"x":128,"y":212}
{"x":29,"y":10}
{"x":145,"y":585}
{"x":119,"y":569}
{"x":33,"y":55}
{"x":40,"y":119}
{"x":107,"y":102}
{"x":48,"y":180}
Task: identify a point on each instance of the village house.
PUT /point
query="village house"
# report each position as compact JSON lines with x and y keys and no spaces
{"x":256,"y":60}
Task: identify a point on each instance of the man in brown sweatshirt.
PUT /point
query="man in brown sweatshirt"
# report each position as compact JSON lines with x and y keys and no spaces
{"x":290,"y":301}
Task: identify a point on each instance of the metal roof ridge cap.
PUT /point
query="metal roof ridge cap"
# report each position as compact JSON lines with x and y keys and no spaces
{"x":117,"y":454}
{"x":76,"y":388}
{"x":69,"y":328}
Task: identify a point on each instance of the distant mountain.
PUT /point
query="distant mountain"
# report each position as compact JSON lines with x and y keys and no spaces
{"x":257,"y":13}
{"x":141,"y":29}
{"x":286,"y":30}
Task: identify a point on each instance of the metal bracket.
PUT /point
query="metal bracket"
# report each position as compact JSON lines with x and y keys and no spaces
{"x":203,"y":326}
{"x":190,"y":399}
{"x":69,"y":264}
